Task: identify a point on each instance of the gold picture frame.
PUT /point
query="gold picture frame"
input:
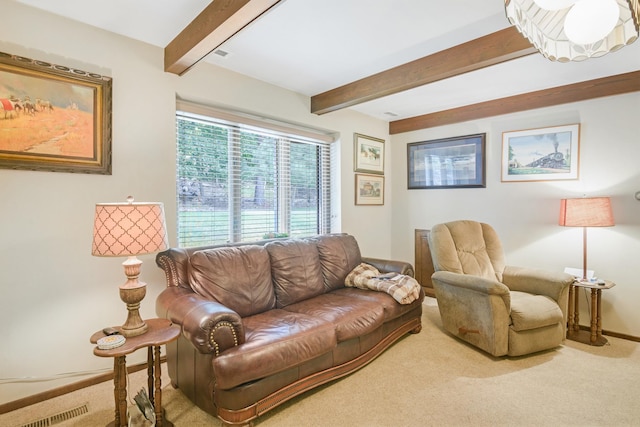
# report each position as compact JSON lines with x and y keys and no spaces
{"x":368,"y":154}
{"x":369,"y":189}
{"x":53,"y":118}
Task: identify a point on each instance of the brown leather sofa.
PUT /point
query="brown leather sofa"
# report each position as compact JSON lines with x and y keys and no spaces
{"x":266,"y":321}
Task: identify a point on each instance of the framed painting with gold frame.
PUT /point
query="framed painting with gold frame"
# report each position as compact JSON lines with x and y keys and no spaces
{"x":53,"y":118}
{"x":368,"y":154}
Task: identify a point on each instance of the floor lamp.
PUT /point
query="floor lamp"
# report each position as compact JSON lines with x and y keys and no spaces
{"x":586,"y":212}
{"x":130,"y":229}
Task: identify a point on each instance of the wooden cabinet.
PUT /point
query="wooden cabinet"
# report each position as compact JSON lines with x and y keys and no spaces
{"x":423,"y":262}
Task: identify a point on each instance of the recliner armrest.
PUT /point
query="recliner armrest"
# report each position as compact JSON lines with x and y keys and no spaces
{"x":535,"y":281}
{"x":210,"y":326}
{"x":388,"y":266}
{"x":467,"y":281}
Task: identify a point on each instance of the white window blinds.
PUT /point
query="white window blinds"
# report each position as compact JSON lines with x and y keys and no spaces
{"x":240,"y":182}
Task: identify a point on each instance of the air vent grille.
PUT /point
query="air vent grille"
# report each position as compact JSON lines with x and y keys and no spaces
{"x":59,"y":417}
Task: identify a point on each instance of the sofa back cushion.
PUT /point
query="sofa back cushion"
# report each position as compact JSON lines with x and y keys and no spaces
{"x":236,"y":277}
{"x":296,"y":271}
{"x":339,"y":254}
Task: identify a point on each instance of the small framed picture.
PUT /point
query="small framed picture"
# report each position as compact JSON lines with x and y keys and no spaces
{"x":368,"y":154}
{"x":545,"y":154}
{"x":369,"y":189}
{"x":457,"y":162}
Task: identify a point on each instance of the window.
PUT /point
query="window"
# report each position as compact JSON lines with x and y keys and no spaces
{"x":240,"y":182}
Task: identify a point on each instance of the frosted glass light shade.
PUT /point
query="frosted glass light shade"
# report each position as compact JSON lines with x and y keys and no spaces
{"x":591,"y":20}
{"x":545,"y":29}
{"x":554,"y":4}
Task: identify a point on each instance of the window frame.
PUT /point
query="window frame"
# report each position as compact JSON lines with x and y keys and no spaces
{"x":285,"y":136}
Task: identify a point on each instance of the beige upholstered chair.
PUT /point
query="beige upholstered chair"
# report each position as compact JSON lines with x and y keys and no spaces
{"x":501,"y":309}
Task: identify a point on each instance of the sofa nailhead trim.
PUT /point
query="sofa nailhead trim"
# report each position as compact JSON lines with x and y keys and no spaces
{"x":212,"y":340}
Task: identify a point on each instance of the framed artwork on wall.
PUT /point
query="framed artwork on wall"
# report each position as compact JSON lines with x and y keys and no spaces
{"x":368,"y":154}
{"x":369,"y":189}
{"x":53,"y":118}
{"x":545,"y":154}
{"x":457,"y":162}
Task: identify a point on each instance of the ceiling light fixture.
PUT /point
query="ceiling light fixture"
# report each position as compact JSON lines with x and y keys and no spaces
{"x":575,"y":30}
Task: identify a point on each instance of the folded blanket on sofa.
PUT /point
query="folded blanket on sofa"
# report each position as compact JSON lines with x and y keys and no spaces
{"x":402,"y":288}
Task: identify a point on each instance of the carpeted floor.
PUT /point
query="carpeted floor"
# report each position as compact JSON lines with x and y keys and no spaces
{"x":434,"y":380}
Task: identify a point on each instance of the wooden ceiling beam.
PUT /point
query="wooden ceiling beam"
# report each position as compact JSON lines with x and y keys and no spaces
{"x":606,"y":86}
{"x":218,"y":22}
{"x":485,"y":51}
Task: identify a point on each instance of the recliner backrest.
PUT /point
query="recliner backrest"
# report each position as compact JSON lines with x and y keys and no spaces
{"x":467,"y":247}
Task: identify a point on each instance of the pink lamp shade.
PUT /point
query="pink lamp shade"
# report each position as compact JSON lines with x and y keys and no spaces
{"x":586,"y":212}
{"x":126,"y":229}
{"x":130,"y":229}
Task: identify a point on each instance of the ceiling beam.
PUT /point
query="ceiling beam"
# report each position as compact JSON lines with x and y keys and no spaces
{"x":218,"y":22}
{"x":606,"y":86}
{"x":485,"y":51}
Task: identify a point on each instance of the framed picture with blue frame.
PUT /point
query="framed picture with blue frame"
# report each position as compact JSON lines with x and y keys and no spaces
{"x":457,"y":162}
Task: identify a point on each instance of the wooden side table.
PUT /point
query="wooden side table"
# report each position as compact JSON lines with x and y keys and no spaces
{"x":161,"y":331}
{"x":594,"y":335}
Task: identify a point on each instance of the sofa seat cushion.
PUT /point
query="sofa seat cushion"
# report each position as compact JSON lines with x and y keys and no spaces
{"x":530,"y":311}
{"x":392,"y":309}
{"x":350,"y":317}
{"x":274,"y":341}
{"x":296,"y":271}
{"x":236,"y":277}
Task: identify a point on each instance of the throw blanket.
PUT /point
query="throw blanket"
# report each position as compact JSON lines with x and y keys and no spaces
{"x":404,"y":289}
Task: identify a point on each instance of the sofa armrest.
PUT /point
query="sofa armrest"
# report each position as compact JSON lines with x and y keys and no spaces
{"x":388,"y":266}
{"x":210,"y":326}
{"x":540,"y":282}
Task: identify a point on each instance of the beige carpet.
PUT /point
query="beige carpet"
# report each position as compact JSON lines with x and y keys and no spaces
{"x":428,"y":379}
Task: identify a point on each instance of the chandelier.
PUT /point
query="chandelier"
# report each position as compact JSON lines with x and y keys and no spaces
{"x":575,"y":30}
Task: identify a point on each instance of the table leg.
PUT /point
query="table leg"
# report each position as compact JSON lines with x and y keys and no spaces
{"x":120,"y":390}
{"x":599,"y":314}
{"x":150,"y":373}
{"x":570,"y":310}
{"x":576,"y":310}
{"x":158,"y":402}
{"x":595,"y":315}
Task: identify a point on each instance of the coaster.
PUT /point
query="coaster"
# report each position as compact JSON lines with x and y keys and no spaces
{"x":111,"y":341}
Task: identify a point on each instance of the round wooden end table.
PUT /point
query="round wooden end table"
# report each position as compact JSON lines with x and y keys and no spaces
{"x":161,"y":331}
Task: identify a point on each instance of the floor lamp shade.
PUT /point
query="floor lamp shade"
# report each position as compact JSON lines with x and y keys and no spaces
{"x":586,"y":212}
{"x":130,"y":229}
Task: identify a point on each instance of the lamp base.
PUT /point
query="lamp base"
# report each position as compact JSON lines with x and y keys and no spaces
{"x":132,"y":296}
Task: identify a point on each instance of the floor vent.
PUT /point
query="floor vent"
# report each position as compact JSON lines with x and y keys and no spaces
{"x":60,"y":417}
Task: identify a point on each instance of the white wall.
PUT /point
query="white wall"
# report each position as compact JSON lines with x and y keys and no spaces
{"x":525,"y":214}
{"x":53,"y":294}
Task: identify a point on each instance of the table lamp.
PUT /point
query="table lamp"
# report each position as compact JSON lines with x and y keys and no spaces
{"x":586,"y":212}
{"x":130,"y":229}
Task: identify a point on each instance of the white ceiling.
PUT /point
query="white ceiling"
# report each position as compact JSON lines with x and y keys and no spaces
{"x":311,"y":46}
